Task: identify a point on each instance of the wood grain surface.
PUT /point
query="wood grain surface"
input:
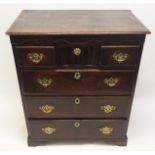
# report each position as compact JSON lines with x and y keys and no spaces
{"x":35,"y":22}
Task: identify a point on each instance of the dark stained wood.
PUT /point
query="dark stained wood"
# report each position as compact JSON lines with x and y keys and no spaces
{"x":91,"y":82}
{"x":89,"y":107}
{"x":88,"y":56}
{"x":22,"y":53}
{"x":133,"y":53}
{"x":109,"y":141}
{"x":92,"y":55}
{"x":87,"y":129}
{"x":98,"y":34}
{"x":130,"y":39}
{"x":36,"y":22}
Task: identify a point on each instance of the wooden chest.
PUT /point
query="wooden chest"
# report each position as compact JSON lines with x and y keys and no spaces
{"x":77,"y":72}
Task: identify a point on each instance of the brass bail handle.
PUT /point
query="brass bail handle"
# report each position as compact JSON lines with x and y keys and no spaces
{"x":111,"y":82}
{"x":120,"y":56}
{"x":106,"y":130}
{"x":108,"y":108}
{"x":48,"y":130}
{"x":47,"y":109}
{"x":35,"y":57}
{"x":45,"y":81}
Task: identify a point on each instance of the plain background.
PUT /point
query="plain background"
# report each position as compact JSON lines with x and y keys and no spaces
{"x":141,"y":131}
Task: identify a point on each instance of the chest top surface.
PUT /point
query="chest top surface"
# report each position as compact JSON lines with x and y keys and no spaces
{"x":69,"y":22}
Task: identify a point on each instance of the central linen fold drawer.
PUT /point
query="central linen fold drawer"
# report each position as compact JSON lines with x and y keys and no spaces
{"x":78,"y":82}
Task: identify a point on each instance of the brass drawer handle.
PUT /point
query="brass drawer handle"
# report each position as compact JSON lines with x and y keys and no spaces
{"x":120,"y":57}
{"x":46,"y":108}
{"x":77,"y":75}
{"x":76,"y":124}
{"x":44,"y":81}
{"x":106,"y":130}
{"x":48,"y":130}
{"x":108,"y":108}
{"x":77,"y":100}
{"x":77,"y":51}
{"x":35,"y":57}
{"x":111,"y":82}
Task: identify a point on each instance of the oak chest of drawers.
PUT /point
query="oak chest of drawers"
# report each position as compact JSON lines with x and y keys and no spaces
{"x":77,"y":72}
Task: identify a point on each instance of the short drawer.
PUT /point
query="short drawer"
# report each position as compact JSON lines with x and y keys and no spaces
{"x":78,"y":107}
{"x":77,"y":129}
{"x":78,"y":82}
{"x":77,"y":54}
{"x":120,"y":55}
{"x":35,"y":56}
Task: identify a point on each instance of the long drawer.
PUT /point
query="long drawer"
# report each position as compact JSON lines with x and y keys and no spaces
{"x":77,"y":129}
{"x":78,"y":82}
{"x":78,"y":107}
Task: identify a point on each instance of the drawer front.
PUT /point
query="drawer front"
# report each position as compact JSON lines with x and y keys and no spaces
{"x":78,"y":107}
{"x":120,"y":55}
{"x":78,"y":129}
{"x":71,"y":82}
{"x":35,"y":56}
{"x":76,"y":54}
